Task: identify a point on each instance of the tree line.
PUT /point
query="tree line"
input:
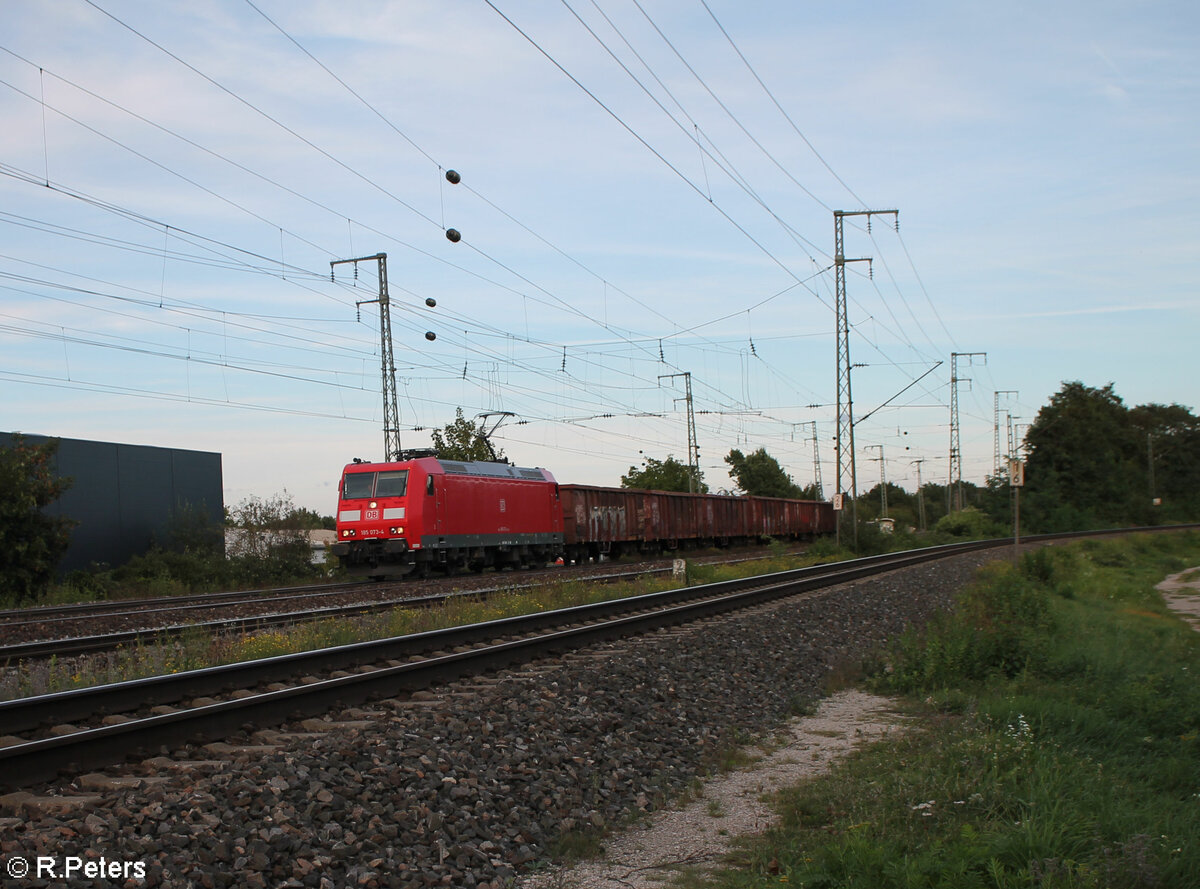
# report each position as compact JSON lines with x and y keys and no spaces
{"x":1090,"y":462}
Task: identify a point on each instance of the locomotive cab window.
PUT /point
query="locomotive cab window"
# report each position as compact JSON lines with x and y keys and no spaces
{"x":358,"y":485}
{"x":361,"y":485}
{"x":392,"y":484}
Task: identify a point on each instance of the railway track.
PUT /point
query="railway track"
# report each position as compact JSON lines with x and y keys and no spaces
{"x":50,"y":614}
{"x":76,"y":645}
{"x":148,"y":612}
{"x":170,"y":711}
{"x":116,"y":721}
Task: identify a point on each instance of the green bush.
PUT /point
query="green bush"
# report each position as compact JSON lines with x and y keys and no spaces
{"x":998,"y":627}
{"x":270,"y":548}
{"x":971,"y":524}
{"x":1062,"y":752}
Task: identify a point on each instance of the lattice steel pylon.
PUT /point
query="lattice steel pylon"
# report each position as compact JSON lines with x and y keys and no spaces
{"x":693,"y":446}
{"x":819,"y":488}
{"x":956,"y":495}
{"x":882,"y":479}
{"x":391,"y":408}
{"x":846,"y":465}
{"x":998,"y":457}
{"x":920,"y":494}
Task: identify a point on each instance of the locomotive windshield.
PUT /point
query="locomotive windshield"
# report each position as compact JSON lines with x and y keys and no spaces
{"x":361,"y":485}
{"x":391,"y":484}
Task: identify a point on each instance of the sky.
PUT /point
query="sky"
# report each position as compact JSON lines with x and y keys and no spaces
{"x":647,"y":198}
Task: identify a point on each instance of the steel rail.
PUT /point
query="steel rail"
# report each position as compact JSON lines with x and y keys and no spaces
{"x":78,"y":610}
{"x":47,"y":614}
{"x":22,"y":714}
{"x":538,"y":634}
{"x":50,"y":614}
{"x":78,"y":645}
{"x":33,"y":761}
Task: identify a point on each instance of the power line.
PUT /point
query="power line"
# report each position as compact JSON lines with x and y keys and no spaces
{"x":248,"y":104}
{"x":786,"y":116}
{"x":629,"y":129}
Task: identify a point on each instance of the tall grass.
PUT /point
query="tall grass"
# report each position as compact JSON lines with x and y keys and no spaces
{"x":1059,"y":746}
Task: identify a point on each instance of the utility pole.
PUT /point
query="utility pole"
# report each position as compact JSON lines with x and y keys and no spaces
{"x":693,"y":448}
{"x":920,"y":494}
{"x":846,"y":466}
{"x":1150,"y":466}
{"x":816,"y":457}
{"x":997,"y":465}
{"x":956,"y":494}
{"x":882,"y":479}
{"x":391,"y":408}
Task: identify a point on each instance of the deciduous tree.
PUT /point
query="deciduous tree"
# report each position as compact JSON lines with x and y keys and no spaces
{"x":760,"y":475}
{"x":31,"y":542}
{"x":463,"y":440}
{"x":1083,"y":469}
{"x":663,"y":475}
{"x":1168,"y":443}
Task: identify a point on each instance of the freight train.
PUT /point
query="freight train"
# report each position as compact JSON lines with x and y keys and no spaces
{"x":426,"y":514}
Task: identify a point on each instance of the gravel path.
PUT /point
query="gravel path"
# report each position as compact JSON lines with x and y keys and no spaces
{"x":467,"y":786}
{"x":734,"y":805}
{"x":1181,"y":592}
{"x":695,"y":835}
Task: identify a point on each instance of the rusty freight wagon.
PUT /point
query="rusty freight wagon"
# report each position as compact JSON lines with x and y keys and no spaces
{"x":616,"y":521}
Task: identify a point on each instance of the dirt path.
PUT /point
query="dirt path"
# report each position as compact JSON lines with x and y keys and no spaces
{"x":1181,"y":592}
{"x":731,"y":805}
{"x":701,"y":832}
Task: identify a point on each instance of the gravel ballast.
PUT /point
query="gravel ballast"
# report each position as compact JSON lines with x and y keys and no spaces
{"x":466,"y":786}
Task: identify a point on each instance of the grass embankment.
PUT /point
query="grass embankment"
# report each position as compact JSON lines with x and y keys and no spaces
{"x":1056,"y":743}
{"x":195,"y":650}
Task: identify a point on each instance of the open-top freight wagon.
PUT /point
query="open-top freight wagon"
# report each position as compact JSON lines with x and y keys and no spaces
{"x":426,"y":513}
{"x":617,"y":521}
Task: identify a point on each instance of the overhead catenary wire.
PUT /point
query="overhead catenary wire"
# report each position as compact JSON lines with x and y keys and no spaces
{"x":734,"y":177}
{"x":594,"y":369}
{"x":340,"y":81}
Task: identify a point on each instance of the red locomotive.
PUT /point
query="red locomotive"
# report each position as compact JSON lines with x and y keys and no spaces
{"x":429,"y":513}
{"x":426,"y":513}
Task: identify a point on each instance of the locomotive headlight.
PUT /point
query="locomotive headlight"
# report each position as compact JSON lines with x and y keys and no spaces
{"x":373,"y":504}
{"x":396,"y":531}
{"x":348,"y":532}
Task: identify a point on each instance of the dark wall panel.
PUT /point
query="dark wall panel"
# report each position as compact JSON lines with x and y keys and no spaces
{"x":124,"y":496}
